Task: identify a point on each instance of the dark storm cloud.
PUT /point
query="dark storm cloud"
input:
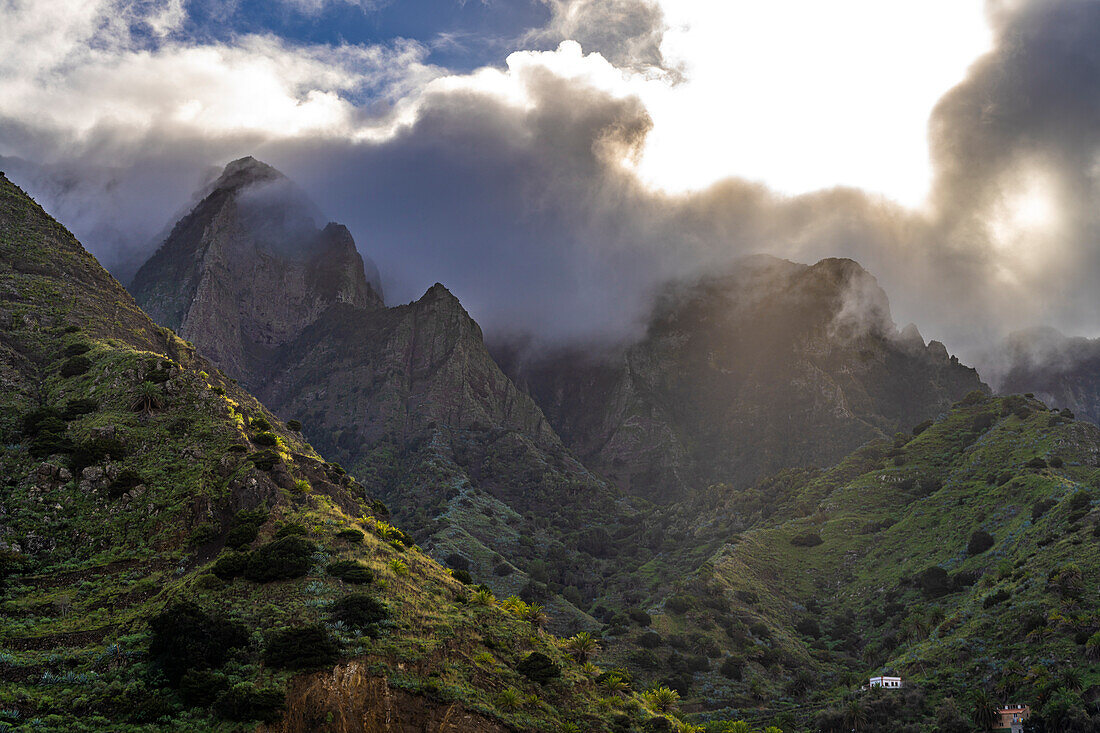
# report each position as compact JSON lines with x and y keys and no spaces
{"x":521,"y":203}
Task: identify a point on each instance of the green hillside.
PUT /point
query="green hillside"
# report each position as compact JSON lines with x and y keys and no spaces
{"x":175,"y":558}
{"x":964,"y":558}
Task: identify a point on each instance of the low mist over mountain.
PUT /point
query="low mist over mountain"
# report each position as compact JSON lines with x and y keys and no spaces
{"x":776,"y":364}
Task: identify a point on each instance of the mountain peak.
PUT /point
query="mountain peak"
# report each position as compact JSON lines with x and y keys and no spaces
{"x":244,"y":172}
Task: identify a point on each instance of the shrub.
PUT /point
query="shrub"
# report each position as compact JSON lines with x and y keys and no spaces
{"x":259,"y":423}
{"x":230,"y":565}
{"x":503,"y":569}
{"x":301,"y":486}
{"x":463,"y":576}
{"x":305,"y":647}
{"x":244,"y":702}
{"x":358,"y":610}
{"x":979,"y":542}
{"x":457,"y":562}
{"x":294,"y":425}
{"x":264,"y":460}
{"x":806,"y":539}
{"x":934,"y":582}
{"x":350,"y":571}
{"x":644,"y":659}
{"x":731,"y":668}
{"x":74,"y":366}
{"x":201,"y":687}
{"x":241,"y":535}
{"x":1036,"y":463}
{"x":353,"y":536}
{"x":1057,"y":462}
{"x":290,"y":530}
{"x":78,"y":407}
{"x":1041,"y":507}
{"x":640,"y":617}
{"x":281,"y":559}
{"x":538,"y":667}
{"x":77,"y":349}
{"x":95,"y":450}
{"x":185,"y":637}
{"x":266,"y":438}
{"x":994,"y":598}
{"x":202,"y":534}
{"x":650,"y":640}
{"x":680,"y":603}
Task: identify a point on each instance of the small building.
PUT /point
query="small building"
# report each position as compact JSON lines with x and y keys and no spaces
{"x":890,"y":683}
{"x":1011,"y":718}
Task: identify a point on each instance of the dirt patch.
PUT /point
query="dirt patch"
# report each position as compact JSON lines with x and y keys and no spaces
{"x":347,"y":700}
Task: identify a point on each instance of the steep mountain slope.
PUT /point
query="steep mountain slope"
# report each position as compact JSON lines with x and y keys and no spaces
{"x":963,"y":558}
{"x":408,"y":399}
{"x":172,"y":557}
{"x":247,"y":270}
{"x":774,"y":365}
{"x":1061,"y":370}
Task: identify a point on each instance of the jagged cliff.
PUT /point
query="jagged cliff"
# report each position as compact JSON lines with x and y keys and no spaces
{"x":1064,"y":371}
{"x":173,"y":557}
{"x":247,"y":270}
{"x":406,"y":398}
{"x":776,"y":364}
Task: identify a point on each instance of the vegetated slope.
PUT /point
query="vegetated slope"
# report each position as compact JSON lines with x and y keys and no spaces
{"x":408,"y":398}
{"x":776,"y":364}
{"x":1061,"y":370}
{"x":172,"y":557}
{"x":964,"y":558}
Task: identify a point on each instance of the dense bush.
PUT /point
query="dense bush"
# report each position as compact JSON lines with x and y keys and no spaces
{"x":230,"y":565}
{"x":74,"y":366}
{"x":921,"y":427}
{"x":78,"y":407}
{"x":463,"y":576}
{"x":95,"y":450}
{"x":1036,"y":463}
{"x":289,"y":530}
{"x":350,"y":535}
{"x":731,"y":668}
{"x":201,"y":687}
{"x":538,"y":667}
{"x":1041,"y":507}
{"x":266,"y":438}
{"x":350,"y":571}
{"x":305,"y":647}
{"x":77,"y":349}
{"x":259,"y":423}
{"x":934,"y":582}
{"x":244,"y":702}
{"x":359,"y":611}
{"x":640,"y":617}
{"x":980,"y":541}
{"x":457,"y":562}
{"x":241,"y":535}
{"x":680,"y":603}
{"x":264,"y":460}
{"x":502,"y":569}
{"x":126,"y":480}
{"x":185,"y":637}
{"x":650,"y":640}
{"x":281,"y":559}
{"x":994,"y":598}
{"x":294,"y":425}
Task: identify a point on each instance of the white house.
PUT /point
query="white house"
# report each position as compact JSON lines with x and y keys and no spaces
{"x":890,"y":683}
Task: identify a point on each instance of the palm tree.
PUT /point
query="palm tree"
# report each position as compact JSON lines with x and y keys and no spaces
{"x":855,"y":717}
{"x":1071,"y":679}
{"x":984,"y":712}
{"x":661,"y":699}
{"x":535,"y":614}
{"x":582,"y":646}
{"x":1092,"y":647}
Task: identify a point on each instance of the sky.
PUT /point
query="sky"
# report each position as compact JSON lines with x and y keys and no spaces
{"x":553,"y":162}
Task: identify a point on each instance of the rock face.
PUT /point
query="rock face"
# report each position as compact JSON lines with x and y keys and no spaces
{"x":776,"y":364}
{"x":407,"y":398}
{"x":1061,"y":370}
{"x":247,"y":270}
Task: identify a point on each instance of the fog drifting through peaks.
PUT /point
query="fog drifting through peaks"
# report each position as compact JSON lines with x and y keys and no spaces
{"x":518,"y":187}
